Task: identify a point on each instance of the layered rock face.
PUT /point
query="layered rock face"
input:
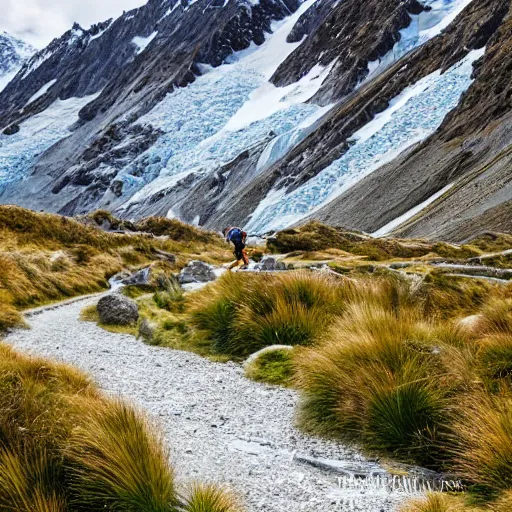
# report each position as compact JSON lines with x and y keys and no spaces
{"x":267,"y":113}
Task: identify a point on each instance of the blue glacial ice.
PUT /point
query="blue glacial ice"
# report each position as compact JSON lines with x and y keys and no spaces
{"x":36,"y":135}
{"x":411,"y":117}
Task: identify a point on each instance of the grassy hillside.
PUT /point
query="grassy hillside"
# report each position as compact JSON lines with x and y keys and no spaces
{"x":414,"y":369}
{"x":46,"y":257}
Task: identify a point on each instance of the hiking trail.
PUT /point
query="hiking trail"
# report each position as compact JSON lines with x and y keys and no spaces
{"x":220,"y":426}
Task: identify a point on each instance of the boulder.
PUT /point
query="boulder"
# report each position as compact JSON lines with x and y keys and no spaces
{"x":197,"y":272}
{"x":12,"y":129}
{"x":139,"y":278}
{"x":116,"y":309}
{"x":271,"y":264}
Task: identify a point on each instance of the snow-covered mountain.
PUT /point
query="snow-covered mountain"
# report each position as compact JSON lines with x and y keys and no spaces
{"x":13,"y":52}
{"x":265,"y":113}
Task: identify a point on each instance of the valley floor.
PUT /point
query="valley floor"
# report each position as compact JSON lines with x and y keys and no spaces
{"x":220,"y":426}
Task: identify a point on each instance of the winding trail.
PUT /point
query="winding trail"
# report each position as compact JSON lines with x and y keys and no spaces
{"x":220,"y":426}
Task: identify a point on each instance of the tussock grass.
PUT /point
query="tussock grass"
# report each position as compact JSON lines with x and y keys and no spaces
{"x":46,"y":257}
{"x":244,"y":313}
{"x":484,"y":440}
{"x":66,"y":447}
{"x":496,"y":317}
{"x":436,"y":502}
{"x":315,"y":236}
{"x":374,"y":379}
{"x":210,"y":498}
{"x":496,"y":356}
{"x":120,"y":463}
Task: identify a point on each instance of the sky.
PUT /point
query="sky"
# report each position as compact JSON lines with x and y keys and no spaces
{"x":40,"y":21}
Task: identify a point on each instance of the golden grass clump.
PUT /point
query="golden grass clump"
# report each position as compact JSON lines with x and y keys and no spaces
{"x":46,"y":257}
{"x":243,"y":313}
{"x":483,"y":440}
{"x":495,"y":317}
{"x":375,"y":378}
{"x":211,"y":498}
{"x":434,"y":502}
{"x":66,"y":447}
{"x":120,"y":463}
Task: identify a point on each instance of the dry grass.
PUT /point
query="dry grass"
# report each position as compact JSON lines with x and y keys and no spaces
{"x":210,"y":498}
{"x":315,"y":236}
{"x":119,"y":462}
{"x":436,"y":502}
{"x":375,"y":379}
{"x":483,"y":438}
{"x":65,"y":447}
{"x":45,"y":258}
{"x":243,"y":313}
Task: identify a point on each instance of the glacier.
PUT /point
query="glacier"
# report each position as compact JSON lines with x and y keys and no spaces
{"x":204,"y":129}
{"x":423,"y":27}
{"x":36,"y":135}
{"x":211,"y":121}
{"x":411,"y":117}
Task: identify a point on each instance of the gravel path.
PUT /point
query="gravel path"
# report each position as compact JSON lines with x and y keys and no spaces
{"x":221,"y":427}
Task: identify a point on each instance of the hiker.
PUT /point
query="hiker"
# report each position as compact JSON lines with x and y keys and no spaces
{"x":238,"y":237}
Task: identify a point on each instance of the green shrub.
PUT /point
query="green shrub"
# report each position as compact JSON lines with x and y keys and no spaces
{"x":273,"y":367}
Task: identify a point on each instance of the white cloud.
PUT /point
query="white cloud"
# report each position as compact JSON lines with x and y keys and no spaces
{"x":39,"y":21}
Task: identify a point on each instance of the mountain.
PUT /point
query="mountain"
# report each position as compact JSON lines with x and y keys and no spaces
{"x":395,"y":117}
{"x":13,"y":52}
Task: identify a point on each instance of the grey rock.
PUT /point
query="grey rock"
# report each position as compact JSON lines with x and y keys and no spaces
{"x":197,"y":272}
{"x":271,"y":264}
{"x":268,"y":264}
{"x":116,"y":309}
{"x":140,"y":277}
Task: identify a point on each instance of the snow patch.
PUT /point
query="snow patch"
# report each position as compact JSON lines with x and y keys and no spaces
{"x":143,"y":42}
{"x":394,"y":224}
{"x":99,"y":34}
{"x":41,"y":91}
{"x":269,"y":99}
{"x":36,"y":61}
{"x":7,"y":77}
